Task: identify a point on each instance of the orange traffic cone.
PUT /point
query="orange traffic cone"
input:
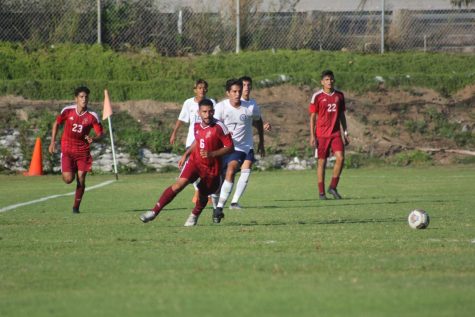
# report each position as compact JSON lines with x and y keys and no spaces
{"x":36,"y":165}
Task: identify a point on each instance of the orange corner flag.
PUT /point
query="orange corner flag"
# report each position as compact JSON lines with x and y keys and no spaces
{"x":36,"y":165}
{"x":107,"y":110}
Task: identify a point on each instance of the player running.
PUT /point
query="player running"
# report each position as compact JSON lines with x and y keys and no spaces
{"x":327,"y":112}
{"x":238,"y":116}
{"x":212,"y":141}
{"x":76,"y":159}
{"x":189,"y":114}
{"x":246,"y":166}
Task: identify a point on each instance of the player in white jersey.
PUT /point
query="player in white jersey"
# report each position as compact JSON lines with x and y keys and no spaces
{"x":260,"y":126}
{"x":189,"y":114}
{"x":238,"y":116}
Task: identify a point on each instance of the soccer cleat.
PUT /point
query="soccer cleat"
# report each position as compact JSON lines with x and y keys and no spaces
{"x":235,"y":206}
{"x":334,"y":192}
{"x":191,"y":221}
{"x":148,"y":216}
{"x":75,"y":210}
{"x":218,"y":214}
{"x":322,"y":197}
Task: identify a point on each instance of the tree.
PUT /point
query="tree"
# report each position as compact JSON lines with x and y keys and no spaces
{"x":460,"y":3}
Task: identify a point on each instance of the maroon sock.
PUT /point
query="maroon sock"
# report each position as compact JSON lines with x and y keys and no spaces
{"x":200,"y":205}
{"x":334,"y":182}
{"x":78,"y":196}
{"x":167,"y":196}
{"x":321,"y":188}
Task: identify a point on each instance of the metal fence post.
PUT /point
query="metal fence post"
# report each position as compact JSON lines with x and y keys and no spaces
{"x":99,"y":22}
{"x":382,"y":26}
{"x":238,"y":28}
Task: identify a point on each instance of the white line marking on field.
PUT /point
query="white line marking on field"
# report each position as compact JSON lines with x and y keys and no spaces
{"x":7,"y":208}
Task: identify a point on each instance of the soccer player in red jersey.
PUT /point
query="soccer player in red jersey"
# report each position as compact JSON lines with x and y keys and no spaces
{"x":76,"y":159}
{"x":212,"y":141}
{"x":327,"y":113}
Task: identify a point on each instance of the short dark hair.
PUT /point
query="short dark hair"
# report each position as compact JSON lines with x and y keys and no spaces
{"x":206,"y":102}
{"x":326,"y":73}
{"x":201,"y":81}
{"x":246,"y":78}
{"x":81,"y":89}
{"x":233,"y":81}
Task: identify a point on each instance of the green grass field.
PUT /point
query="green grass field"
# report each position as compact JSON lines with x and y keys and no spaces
{"x":287,"y":254}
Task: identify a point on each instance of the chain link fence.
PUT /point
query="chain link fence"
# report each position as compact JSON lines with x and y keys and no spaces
{"x":133,"y":24}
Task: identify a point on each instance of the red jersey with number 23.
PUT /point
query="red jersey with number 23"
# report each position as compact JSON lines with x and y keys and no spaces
{"x":328,"y":108}
{"x":76,"y":127}
{"x":210,"y":138}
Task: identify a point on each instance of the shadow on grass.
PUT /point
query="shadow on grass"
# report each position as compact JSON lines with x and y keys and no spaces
{"x":319,"y":222}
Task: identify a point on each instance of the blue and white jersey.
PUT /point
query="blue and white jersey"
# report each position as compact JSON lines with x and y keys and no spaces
{"x":238,"y":120}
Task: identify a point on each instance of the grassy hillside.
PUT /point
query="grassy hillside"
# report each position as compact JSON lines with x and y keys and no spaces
{"x":53,"y":72}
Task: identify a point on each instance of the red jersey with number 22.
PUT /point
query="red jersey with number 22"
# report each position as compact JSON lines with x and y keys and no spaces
{"x":76,"y":127}
{"x":328,"y":108}
{"x":210,"y":138}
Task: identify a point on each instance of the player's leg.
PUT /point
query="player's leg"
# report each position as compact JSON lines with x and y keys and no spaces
{"x":322,"y":153}
{"x":241,"y":184}
{"x":196,"y":194}
{"x":82,"y":164}
{"x":338,"y":150}
{"x":80,"y":188}
{"x":68,"y":168}
{"x":206,"y":186}
{"x":188,"y":175}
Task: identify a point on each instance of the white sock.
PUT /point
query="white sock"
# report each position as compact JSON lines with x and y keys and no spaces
{"x":241,"y":185}
{"x":226,"y":189}
{"x":214,"y":200}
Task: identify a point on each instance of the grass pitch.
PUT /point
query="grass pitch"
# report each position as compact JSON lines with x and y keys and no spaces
{"x":286,"y":254}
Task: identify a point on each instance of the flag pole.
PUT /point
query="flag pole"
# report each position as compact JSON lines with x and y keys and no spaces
{"x":106,"y":113}
{"x":113,"y":148}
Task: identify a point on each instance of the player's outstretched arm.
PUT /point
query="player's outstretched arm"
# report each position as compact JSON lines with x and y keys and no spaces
{"x":313,"y":121}
{"x":175,"y":130}
{"x":52,"y":145}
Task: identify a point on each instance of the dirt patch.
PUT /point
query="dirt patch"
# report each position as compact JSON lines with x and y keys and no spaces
{"x":379,"y":121}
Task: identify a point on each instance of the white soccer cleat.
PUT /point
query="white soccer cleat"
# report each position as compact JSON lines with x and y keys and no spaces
{"x":148,"y":216}
{"x":235,"y":206}
{"x":191,"y":221}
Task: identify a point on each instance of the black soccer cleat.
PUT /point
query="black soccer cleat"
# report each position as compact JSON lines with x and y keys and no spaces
{"x":322,"y":197}
{"x":75,"y":210}
{"x":218,"y":214}
{"x":334,"y":192}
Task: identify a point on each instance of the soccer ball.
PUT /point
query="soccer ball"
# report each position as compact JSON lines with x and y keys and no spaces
{"x":418,"y":219}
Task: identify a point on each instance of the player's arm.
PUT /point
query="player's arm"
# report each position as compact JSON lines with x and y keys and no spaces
{"x":313,"y":121}
{"x":342,"y":118}
{"x":185,"y":155}
{"x":99,"y":133}
{"x":52,"y":145}
{"x":259,"y":125}
{"x":178,"y":124}
{"x":218,"y":153}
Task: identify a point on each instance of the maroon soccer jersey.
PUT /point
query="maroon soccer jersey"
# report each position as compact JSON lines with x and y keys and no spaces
{"x":210,"y":138}
{"x":328,"y":108}
{"x":76,"y":127}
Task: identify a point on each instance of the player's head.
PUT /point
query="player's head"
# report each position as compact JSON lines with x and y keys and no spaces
{"x":81,"y":96}
{"x":327,"y":80}
{"x":246,"y":86}
{"x":81,"y":89}
{"x":200,"y":88}
{"x":234,"y":91}
{"x":206,"y":110}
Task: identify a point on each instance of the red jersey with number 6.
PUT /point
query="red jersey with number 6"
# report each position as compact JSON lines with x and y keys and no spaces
{"x":210,"y":138}
{"x":328,"y":108}
{"x":76,"y":127}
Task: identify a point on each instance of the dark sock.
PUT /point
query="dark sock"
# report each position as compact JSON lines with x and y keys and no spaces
{"x":78,"y":196}
{"x":321,"y":188}
{"x":334,"y":182}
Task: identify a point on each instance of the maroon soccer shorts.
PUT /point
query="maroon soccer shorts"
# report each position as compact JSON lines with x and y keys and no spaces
{"x":325,"y":144}
{"x":73,"y":162}
{"x":208,"y":184}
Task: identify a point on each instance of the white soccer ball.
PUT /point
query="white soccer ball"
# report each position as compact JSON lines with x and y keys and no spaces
{"x":418,"y":219}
